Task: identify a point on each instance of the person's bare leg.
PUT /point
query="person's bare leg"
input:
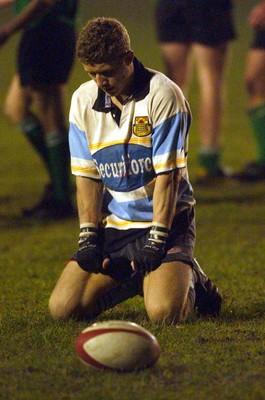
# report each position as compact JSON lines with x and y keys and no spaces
{"x":49,"y":101}
{"x":166,"y":293}
{"x":255,"y":77}
{"x":177,"y":61}
{"x":211,"y":62}
{"x":77,"y":291}
{"x":16,"y":106}
{"x":255,"y":86}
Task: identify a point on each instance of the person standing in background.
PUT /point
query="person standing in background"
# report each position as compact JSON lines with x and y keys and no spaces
{"x":255,"y":86}
{"x":45,"y":57}
{"x":202,"y":29}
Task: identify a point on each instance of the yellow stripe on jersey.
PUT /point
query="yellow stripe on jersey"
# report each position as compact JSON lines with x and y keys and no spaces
{"x":113,"y":221}
{"x":83,"y":170}
{"x":146,"y":141}
{"x":141,"y":140}
{"x":171,"y":164}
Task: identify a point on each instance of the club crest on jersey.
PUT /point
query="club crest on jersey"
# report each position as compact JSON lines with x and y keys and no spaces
{"x":141,"y":126}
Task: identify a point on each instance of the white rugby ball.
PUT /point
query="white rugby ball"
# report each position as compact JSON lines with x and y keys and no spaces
{"x":117,"y":346}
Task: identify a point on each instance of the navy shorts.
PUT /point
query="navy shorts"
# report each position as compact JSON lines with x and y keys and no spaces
{"x":181,"y":239}
{"x":46,"y":54}
{"x":259,"y":40}
{"x":208,"y":23}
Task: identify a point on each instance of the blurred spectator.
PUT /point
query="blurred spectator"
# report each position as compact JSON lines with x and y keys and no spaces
{"x":255,"y":85}
{"x":45,"y":56}
{"x":202,"y":29}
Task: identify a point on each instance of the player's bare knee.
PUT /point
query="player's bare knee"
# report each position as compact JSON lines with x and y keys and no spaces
{"x":55,"y":309}
{"x":167,"y":313}
{"x":59,"y":308}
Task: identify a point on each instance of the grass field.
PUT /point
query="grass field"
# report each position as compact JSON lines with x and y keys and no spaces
{"x":200,"y":360}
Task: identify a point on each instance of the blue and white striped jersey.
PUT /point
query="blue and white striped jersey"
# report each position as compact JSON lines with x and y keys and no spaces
{"x":149,"y":137}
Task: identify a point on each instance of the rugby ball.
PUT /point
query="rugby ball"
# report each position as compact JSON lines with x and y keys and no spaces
{"x":117,"y":346}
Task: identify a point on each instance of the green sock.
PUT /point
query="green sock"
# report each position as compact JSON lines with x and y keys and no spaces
{"x":33,"y":130}
{"x":59,"y":166}
{"x":209,"y":160}
{"x":257,"y":119}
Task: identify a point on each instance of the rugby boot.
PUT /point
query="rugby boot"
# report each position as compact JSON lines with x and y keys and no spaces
{"x":208,"y":301}
{"x":49,"y":208}
{"x":207,"y":178}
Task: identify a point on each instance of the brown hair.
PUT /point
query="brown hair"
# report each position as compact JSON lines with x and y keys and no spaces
{"x":102,"y":40}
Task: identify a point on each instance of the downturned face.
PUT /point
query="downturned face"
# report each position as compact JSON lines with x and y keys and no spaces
{"x":114,"y":78}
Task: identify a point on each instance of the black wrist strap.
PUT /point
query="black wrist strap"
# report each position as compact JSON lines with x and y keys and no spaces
{"x":158,"y":234}
{"x":89,"y":230}
{"x":87,"y":233}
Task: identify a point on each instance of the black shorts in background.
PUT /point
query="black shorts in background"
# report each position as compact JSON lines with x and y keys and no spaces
{"x":206,"y":22}
{"x":259,"y":40}
{"x":46,"y":53}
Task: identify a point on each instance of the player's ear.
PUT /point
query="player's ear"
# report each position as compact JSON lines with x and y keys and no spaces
{"x":129,"y":56}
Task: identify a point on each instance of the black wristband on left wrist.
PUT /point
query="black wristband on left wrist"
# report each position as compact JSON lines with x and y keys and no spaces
{"x":87,"y":233}
{"x":158,"y":234}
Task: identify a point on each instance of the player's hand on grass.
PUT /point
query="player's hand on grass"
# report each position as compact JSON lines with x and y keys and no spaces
{"x":150,"y":257}
{"x":90,"y":254}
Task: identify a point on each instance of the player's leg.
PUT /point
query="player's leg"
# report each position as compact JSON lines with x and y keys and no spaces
{"x":255,"y":77}
{"x":179,"y":286}
{"x":173,"y":33}
{"x":77,"y":292}
{"x":255,"y":85}
{"x":49,"y":100}
{"x":17,"y":109}
{"x":16,"y":102}
{"x":169,"y":290}
{"x":178,"y":63}
{"x":213,"y":31}
{"x":47,"y":97}
{"x":211,"y":62}
{"x":166,"y":293}
{"x":46,"y":76}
